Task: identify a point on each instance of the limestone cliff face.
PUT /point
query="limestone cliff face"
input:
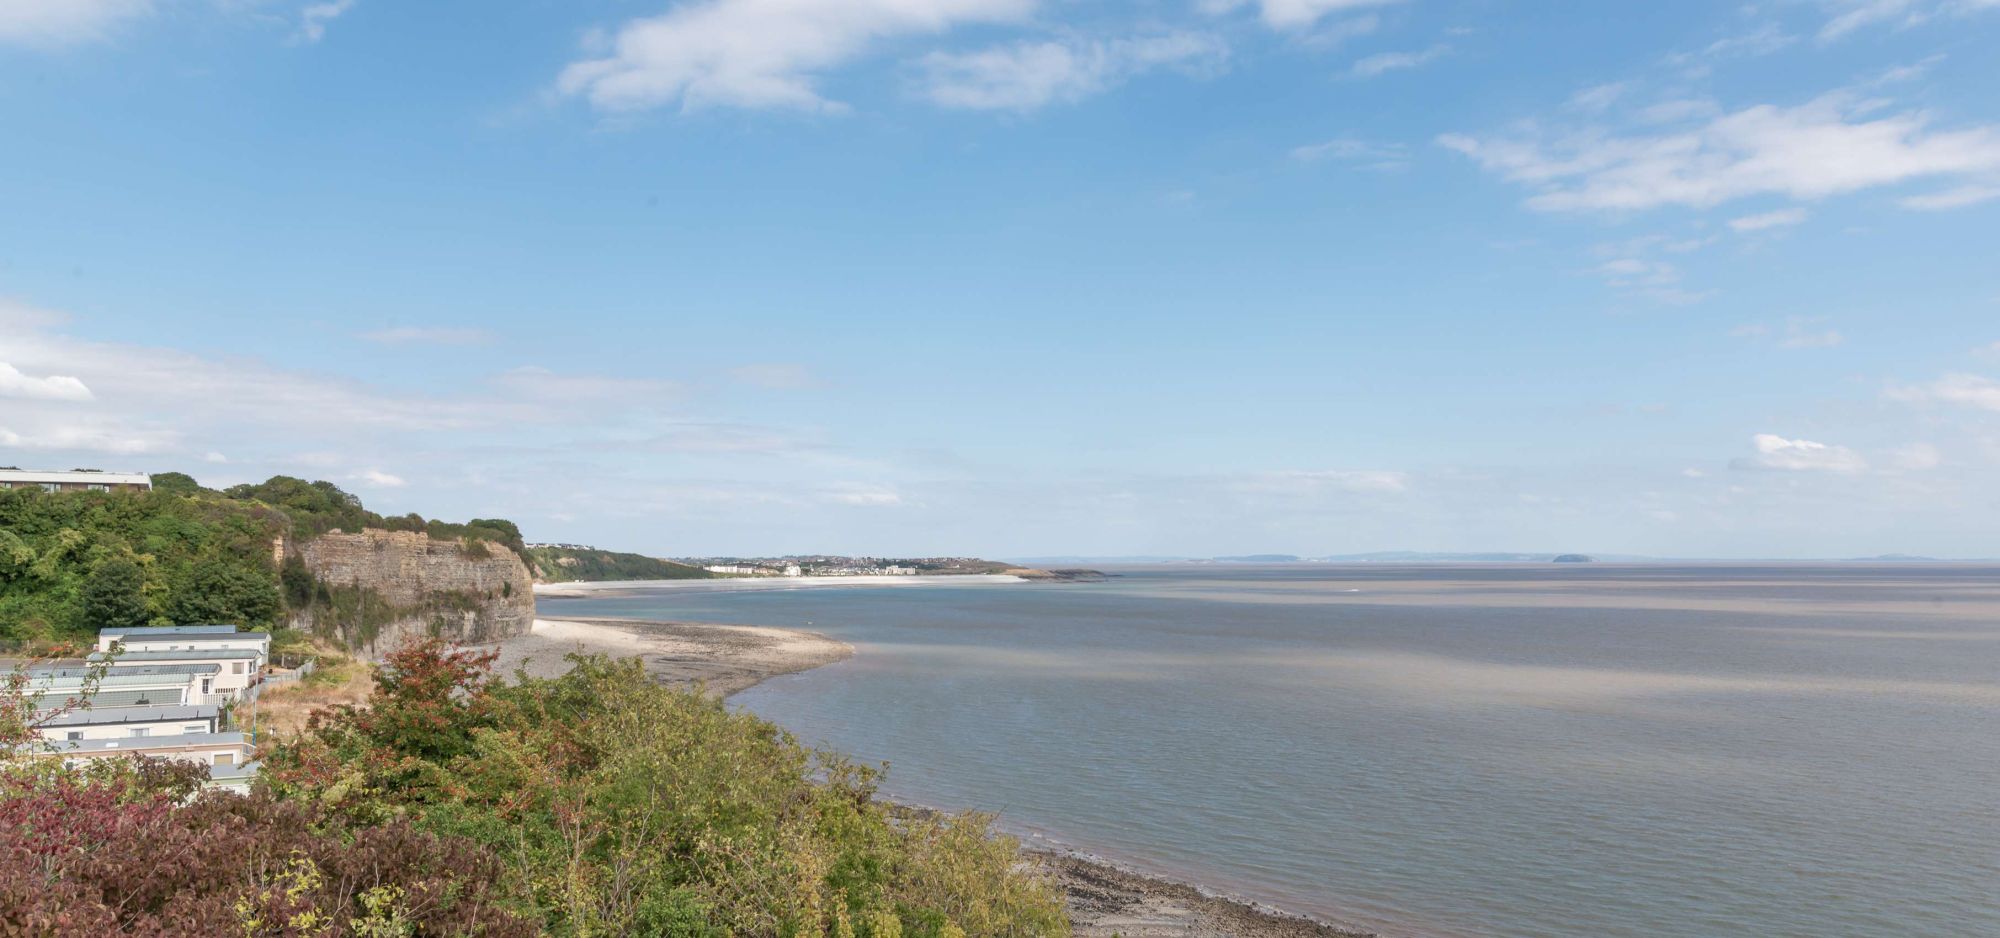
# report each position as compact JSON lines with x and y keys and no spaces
{"x":380,"y":588}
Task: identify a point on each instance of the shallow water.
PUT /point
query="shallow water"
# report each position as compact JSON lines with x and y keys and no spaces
{"x":1655,"y":751}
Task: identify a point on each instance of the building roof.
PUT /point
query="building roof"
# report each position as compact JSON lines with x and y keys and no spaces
{"x":127,"y":674}
{"x":144,"y":744}
{"x":129,"y":638}
{"x":172,"y":630}
{"x":132,"y":715}
{"x":75,"y":475}
{"x":205,"y":654}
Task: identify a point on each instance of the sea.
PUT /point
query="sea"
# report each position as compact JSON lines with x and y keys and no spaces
{"x":1444,"y":751}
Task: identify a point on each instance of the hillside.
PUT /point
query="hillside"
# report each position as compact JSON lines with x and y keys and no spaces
{"x":569,"y":563}
{"x":257,"y":556}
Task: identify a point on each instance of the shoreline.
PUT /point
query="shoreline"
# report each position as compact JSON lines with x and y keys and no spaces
{"x":586,"y":588}
{"x":1104,"y":899}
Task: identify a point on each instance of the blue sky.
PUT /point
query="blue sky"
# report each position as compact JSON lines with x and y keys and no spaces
{"x":1017,"y":277}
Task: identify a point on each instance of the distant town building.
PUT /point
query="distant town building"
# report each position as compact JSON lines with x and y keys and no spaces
{"x":741,"y":568}
{"x":792,"y":569}
{"x":75,"y":480}
{"x":893,"y":570}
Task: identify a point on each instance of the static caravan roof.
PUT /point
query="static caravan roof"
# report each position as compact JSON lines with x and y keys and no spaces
{"x":133,"y":715}
{"x":153,"y":743}
{"x":170,"y":630}
{"x":133,"y":674}
{"x":101,"y":478}
{"x":210,"y":654}
{"x":129,"y":638}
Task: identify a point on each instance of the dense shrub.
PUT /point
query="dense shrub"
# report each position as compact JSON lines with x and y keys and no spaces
{"x":621,"y":807}
{"x":131,"y":855}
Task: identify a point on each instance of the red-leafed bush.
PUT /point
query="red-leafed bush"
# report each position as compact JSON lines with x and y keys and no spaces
{"x":110,"y":857}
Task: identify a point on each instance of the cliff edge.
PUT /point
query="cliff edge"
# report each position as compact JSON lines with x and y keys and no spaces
{"x":375,"y":589}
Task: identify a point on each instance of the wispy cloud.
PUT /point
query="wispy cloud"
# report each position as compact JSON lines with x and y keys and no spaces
{"x":1828,"y":146}
{"x":757,"y":53}
{"x":431,"y":335}
{"x":61,"y":22}
{"x":48,"y":388}
{"x":1364,"y":153}
{"x":1384,"y":62}
{"x":1959,"y":197}
{"x":1777,"y":453}
{"x":1294,"y":14}
{"x":315,"y":17}
{"x":775,"y":376}
{"x":1965,"y":390}
{"x":1782,"y":218}
{"x":1025,"y":76}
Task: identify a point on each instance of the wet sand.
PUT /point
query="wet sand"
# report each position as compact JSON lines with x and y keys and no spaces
{"x":722,"y":658}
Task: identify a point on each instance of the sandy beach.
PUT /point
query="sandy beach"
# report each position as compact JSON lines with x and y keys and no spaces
{"x":722,"y":658}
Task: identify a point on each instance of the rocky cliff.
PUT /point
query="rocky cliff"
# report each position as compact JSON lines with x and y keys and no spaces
{"x":376,"y":589}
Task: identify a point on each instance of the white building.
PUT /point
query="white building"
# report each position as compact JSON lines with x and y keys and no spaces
{"x":240,"y":657}
{"x":130,"y":723}
{"x":75,"y":480}
{"x":162,"y":685}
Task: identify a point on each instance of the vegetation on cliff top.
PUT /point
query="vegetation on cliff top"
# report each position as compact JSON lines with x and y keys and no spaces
{"x":556,"y":563}
{"x":74,"y":562}
{"x":593,"y":804}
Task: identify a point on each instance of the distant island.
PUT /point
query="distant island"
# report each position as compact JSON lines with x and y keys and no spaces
{"x":1572,"y":558}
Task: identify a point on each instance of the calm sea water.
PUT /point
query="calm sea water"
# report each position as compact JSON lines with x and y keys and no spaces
{"x":1497,"y":751}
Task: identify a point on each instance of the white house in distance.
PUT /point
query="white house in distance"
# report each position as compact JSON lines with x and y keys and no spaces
{"x":75,"y":480}
{"x":239,"y":657}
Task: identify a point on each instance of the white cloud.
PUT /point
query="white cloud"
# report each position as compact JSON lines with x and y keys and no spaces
{"x":1305,"y":483}
{"x":93,"y":438}
{"x":422,"y":335}
{"x":1827,"y":146}
{"x":1962,"y":389}
{"x":1802,"y":332}
{"x":775,"y":376}
{"x":1916,"y":457}
{"x":1959,"y":197}
{"x":757,"y":53}
{"x":1777,"y":453}
{"x":59,"y":22}
{"x":539,"y":383}
{"x":1779,"y":219}
{"x":1294,"y":14}
{"x":313,"y":19}
{"x":1855,"y":14}
{"x":379,"y":479}
{"x":1028,"y":75}
{"x":214,"y":457}
{"x":1361,"y":152}
{"x":52,"y":388}
{"x":1597,"y":98}
{"x":863,"y":496}
{"x":1391,"y":61}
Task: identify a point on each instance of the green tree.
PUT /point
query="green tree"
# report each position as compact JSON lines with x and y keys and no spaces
{"x":114,"y":596}
{"x":176,"y":483}
{"x":219,"y":592}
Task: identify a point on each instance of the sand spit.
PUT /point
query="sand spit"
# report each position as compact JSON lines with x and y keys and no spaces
{"x":724,"y":658}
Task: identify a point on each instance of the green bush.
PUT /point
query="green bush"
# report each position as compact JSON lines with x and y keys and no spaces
{"x":622,"y":807}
